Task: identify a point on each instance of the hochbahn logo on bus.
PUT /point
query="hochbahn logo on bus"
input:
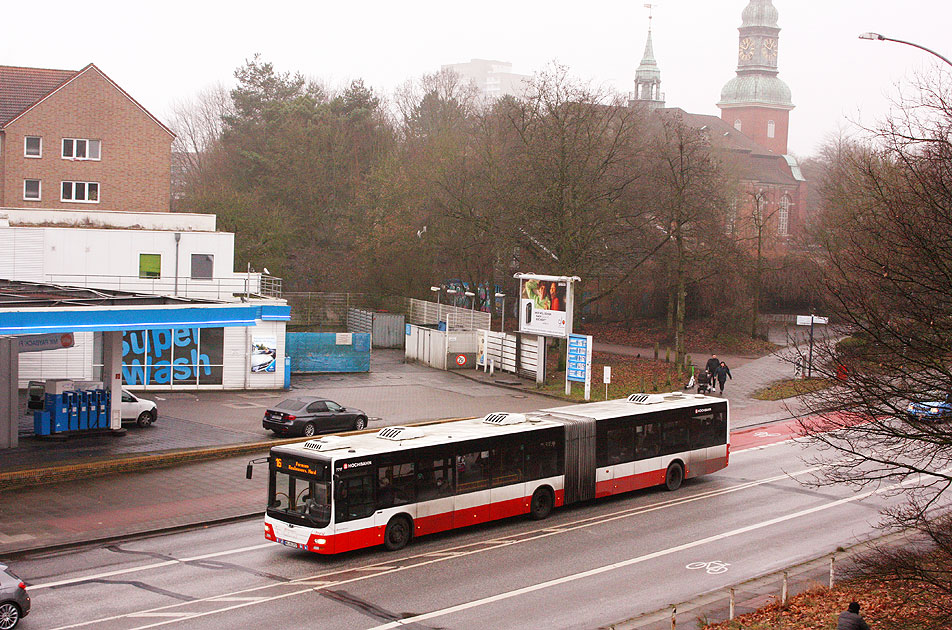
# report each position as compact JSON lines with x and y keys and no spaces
{"x":349,"y":465}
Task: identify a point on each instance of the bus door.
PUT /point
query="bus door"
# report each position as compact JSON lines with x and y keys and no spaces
{"x":353,"y":505}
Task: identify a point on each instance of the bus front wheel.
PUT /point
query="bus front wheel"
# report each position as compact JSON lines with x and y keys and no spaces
{"x":541,"y":505}
{"x":397,"y":534}
{"x":674,"y":476}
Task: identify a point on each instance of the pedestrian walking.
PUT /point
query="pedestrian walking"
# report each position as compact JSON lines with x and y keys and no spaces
{"x":711,"y":365}
{"x":850,"y":619}
{"x":723,"y":373}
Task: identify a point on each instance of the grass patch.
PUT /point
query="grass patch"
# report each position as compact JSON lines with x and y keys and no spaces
{"x":700,"y":337}
{"x":787,"y":388}
{"x":630,"y":375}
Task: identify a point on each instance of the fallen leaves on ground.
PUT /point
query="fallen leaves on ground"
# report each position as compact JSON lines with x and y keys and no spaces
{"x":892,"y":606}
{"x":629,"y":375}
{"x":700,"y":336}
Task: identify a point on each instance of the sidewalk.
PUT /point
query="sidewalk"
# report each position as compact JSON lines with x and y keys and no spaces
{"x":107,"y":487}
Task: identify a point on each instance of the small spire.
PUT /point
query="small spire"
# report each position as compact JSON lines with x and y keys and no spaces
{"x":648,"y":75}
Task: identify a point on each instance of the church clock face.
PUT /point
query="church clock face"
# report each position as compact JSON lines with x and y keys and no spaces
{"x":746,"y":49}
{"x":770,"y":48}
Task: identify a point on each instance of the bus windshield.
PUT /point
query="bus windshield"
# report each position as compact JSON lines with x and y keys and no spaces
{"x":300,"y":492}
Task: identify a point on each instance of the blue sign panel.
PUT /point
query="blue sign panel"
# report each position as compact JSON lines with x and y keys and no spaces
{"x":579,"y":358}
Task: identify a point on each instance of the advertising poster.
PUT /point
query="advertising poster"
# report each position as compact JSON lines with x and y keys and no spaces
{"x":264,"y":354}
{"x":181,"y":356}
{"x":542,"y":306}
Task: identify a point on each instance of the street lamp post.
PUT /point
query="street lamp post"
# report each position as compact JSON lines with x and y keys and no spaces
{"x":883,"y":38}
{"x":437,"y":290}
{"x":503,"y":316}
{"x":472,"y":299}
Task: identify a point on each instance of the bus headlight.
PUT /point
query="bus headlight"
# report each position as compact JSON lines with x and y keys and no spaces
{"x":321,"y":541}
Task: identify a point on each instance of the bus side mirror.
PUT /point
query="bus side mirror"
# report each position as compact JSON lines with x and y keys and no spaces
{"x":259,"y":460}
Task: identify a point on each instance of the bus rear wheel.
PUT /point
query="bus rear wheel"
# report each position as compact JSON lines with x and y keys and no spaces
{"x":397,"y":534}
{"x":674,"y":476}
{"x":541,"y":505}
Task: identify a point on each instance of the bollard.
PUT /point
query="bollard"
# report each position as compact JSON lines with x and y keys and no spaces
{"x":832,"y":560}
{"x":783,"y":592}
{"x":674,"y":617}
{"x":492,"y":366}
{"x":730,"y":615}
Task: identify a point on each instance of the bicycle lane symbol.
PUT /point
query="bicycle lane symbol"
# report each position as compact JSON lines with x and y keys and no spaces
{"x":713,"y":567}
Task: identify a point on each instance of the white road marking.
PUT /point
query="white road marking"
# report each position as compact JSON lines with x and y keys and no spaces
{"x":445,"y":555}
{"x":626,"y":563}
{"x":156,"y":565}
{"x":161,"y":614}
{"x":651,"y":556}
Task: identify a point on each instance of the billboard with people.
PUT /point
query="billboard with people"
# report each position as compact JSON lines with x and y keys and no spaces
{"x":544,"y":305}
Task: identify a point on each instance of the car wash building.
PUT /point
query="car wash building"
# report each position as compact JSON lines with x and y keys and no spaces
{"x":134,"y":339}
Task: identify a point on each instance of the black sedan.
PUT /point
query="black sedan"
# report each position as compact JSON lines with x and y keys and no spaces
{"x":307,"y":415}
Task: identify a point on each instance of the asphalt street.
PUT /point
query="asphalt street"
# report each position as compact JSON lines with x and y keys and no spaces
{"x":586,"y":566}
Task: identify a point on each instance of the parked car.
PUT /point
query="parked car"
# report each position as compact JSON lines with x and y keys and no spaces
{"x":931,"y":410}
{"x":139,"y":410}
{"x":14,"y":600}
{"x":308,"y":415}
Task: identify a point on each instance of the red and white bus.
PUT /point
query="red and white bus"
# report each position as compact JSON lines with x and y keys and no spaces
{"x":339,"y":493}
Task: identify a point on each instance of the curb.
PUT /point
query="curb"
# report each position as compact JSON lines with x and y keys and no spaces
{"x":144,"y":533}
{"x":99,"y":468}
{"x":24,"y":477}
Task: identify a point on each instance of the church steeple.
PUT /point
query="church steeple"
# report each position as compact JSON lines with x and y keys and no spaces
{"x":648,"y":76}
{"x":756,"y":101}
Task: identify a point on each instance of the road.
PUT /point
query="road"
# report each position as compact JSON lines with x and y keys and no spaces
{"x":585,"y":567}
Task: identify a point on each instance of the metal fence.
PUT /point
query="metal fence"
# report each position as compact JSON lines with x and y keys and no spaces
{"x":223,"y":288}
{"x":322,"y":310}
{"x":423,"y":313}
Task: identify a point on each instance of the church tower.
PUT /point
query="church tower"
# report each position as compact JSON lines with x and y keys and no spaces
{"x":648,"y":77}
{"x":756,"y":102}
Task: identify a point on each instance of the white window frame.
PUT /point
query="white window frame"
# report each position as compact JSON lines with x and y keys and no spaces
{"x":81,"y":159}
{"x":85,"y":187}
{"x":738,"y":125}
{"x":39,"y":190}
{"x":28,"y":155}
{"x":771,"y":129}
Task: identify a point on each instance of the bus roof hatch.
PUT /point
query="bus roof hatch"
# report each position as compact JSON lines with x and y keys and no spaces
{"x":400,"y":433}
{"x":502,"y":417}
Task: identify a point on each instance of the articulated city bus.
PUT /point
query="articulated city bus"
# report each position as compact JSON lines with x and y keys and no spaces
{"x":339,"y":493}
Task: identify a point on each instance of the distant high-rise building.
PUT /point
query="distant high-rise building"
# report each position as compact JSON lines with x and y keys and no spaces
{"x":494,"y":79}
{"x":757,"y":102}
{"x":648,"y":78}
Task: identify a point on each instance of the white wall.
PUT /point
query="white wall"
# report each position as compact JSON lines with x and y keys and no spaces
{"x":75,"y":363}
{"x":109,"y":259}
{"x":237,"y":354}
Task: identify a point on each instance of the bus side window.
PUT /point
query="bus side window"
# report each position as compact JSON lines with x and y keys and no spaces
{"x":676,"y":436}
{"x":647,"y":440}
{"x":507,"y":462}
{"x":396,"y":485}
{"x":472,"y":471}
{"x":542,"y":457}
{"x":355,"y":498}
{"x":434,"y":478}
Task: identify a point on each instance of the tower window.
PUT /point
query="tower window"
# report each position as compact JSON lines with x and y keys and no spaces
{"x":771,"y":129}
{"x":737,"y":124}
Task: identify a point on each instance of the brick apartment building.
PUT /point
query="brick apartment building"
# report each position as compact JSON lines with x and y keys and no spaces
{"x":76,"y":140}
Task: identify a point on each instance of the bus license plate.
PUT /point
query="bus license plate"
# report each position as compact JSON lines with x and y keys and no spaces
{"x":288,"y":543}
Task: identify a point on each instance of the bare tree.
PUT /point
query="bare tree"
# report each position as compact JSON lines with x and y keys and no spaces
{"x":886,"y":234}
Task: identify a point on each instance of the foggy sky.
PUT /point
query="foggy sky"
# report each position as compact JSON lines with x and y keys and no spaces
{"x":165,"y":52}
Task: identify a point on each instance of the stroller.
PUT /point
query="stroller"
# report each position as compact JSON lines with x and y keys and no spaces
{"x":705,"y":382}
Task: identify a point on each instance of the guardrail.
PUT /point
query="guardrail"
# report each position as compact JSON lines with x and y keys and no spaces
{"x":223,"y":288}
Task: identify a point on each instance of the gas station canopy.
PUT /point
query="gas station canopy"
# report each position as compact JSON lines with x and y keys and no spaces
{"x":28,"y":308}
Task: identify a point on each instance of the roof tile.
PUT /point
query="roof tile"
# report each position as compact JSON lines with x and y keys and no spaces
{"x":22,"y":87}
